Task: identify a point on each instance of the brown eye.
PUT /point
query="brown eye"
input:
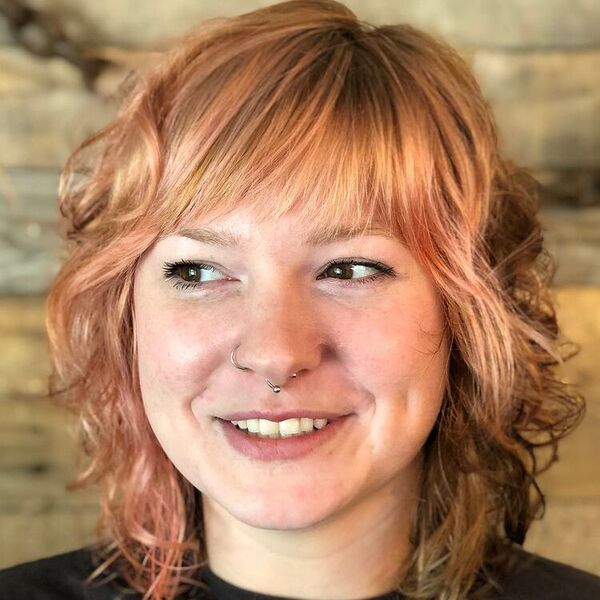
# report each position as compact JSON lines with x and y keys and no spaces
{"x":348,"y":270}
{"x":356,"y":272}
{"x":340,"y":270}
{"x":186,"y":274}
{"x":189,"y":273}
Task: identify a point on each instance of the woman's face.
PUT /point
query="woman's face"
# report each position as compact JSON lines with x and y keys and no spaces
{"x":364,"y":344}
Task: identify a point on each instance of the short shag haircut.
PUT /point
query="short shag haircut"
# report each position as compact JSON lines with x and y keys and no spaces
{"x":301,"y":106}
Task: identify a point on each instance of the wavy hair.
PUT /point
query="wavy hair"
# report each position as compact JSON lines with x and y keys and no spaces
{"x":302,"y":106}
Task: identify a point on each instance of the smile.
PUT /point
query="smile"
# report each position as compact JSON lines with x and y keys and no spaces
{"x":283,"y":440}
{"x":282,"y":429}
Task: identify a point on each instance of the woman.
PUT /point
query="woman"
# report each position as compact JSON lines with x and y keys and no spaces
{"x":305,"y":323}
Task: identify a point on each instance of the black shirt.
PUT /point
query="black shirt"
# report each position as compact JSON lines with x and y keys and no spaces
{"x":61,"y":577}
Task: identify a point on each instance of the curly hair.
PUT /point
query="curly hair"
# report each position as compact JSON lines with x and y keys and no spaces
{"x":343,"y":121}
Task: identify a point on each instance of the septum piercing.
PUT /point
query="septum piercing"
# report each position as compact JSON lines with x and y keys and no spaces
{"x":275,"y":388}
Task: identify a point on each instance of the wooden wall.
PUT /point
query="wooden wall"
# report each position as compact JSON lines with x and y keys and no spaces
{"x":538,"y":62}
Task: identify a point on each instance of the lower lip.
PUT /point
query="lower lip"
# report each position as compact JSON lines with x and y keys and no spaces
{"x":268,"y":449}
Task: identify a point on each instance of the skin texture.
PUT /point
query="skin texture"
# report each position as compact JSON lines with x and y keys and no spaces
{"x":334,"y":523}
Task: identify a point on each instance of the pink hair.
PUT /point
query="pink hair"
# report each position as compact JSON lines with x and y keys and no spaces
{"x":301,"y":106}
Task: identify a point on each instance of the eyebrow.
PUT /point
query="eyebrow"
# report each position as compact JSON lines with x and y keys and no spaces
{"x":228,"y":239}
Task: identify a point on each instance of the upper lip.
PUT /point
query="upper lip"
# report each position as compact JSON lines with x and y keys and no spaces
{"x":282,"y":415}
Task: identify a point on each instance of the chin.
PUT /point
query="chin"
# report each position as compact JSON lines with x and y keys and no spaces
{"x":285,"y":512}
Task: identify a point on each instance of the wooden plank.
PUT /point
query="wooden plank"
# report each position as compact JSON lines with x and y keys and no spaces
{"x":546,"y":105}
{"x":36,"y":441}
{"x":499,"y":23}
{"x":5,"y":35}
{"x":568,"y":533}
{"x":29,"y":536}
{"x":45,"y":111}
{"x":572,"y":236}
{"x":24,"y":367}
{"x":24,"y":73}
{"x":575,"y":474}
{"x":43,"y":128}
{"x":29,"y":310}
{"x":29,"y":241}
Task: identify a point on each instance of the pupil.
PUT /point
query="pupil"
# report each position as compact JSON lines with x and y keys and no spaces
{"x":190,"y":274}
{"x":340,"y":269}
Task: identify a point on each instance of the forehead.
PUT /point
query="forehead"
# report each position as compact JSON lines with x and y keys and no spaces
{"x":239,"y":226}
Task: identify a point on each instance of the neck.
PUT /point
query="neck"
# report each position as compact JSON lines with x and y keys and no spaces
{"x":360,"y":553}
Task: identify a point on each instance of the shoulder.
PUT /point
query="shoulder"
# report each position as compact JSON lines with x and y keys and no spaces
{"x":531,"y":576}
{"x":59,"y":577}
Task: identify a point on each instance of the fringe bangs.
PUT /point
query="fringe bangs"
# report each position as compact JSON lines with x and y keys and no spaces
{"x":316,"y":139}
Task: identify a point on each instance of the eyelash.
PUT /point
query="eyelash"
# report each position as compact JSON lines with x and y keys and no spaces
{"x":170,"y":272}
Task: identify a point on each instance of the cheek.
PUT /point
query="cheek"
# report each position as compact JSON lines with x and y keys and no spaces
{"x":401,"y":341}
{"x":175,"y":349}
{"x":406,"y":351}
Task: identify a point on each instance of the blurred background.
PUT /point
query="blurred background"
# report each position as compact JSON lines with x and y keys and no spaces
{"x":61,"y":63}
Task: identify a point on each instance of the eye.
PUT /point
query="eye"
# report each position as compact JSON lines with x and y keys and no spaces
{"x":344,"y":269}
{"x":188,"y":274}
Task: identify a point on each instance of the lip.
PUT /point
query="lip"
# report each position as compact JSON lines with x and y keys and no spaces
{"x":269,"y":449}
{"x":282,"y":415}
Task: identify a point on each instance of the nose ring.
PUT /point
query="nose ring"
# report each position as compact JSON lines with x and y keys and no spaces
{"x":275,"y":388}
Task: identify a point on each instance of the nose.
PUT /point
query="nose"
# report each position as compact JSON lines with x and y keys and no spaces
{"x":281,"y":336}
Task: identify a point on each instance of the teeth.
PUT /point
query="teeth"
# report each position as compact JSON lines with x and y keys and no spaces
{"x":252,"y":425}
{"x":287,"y":428}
